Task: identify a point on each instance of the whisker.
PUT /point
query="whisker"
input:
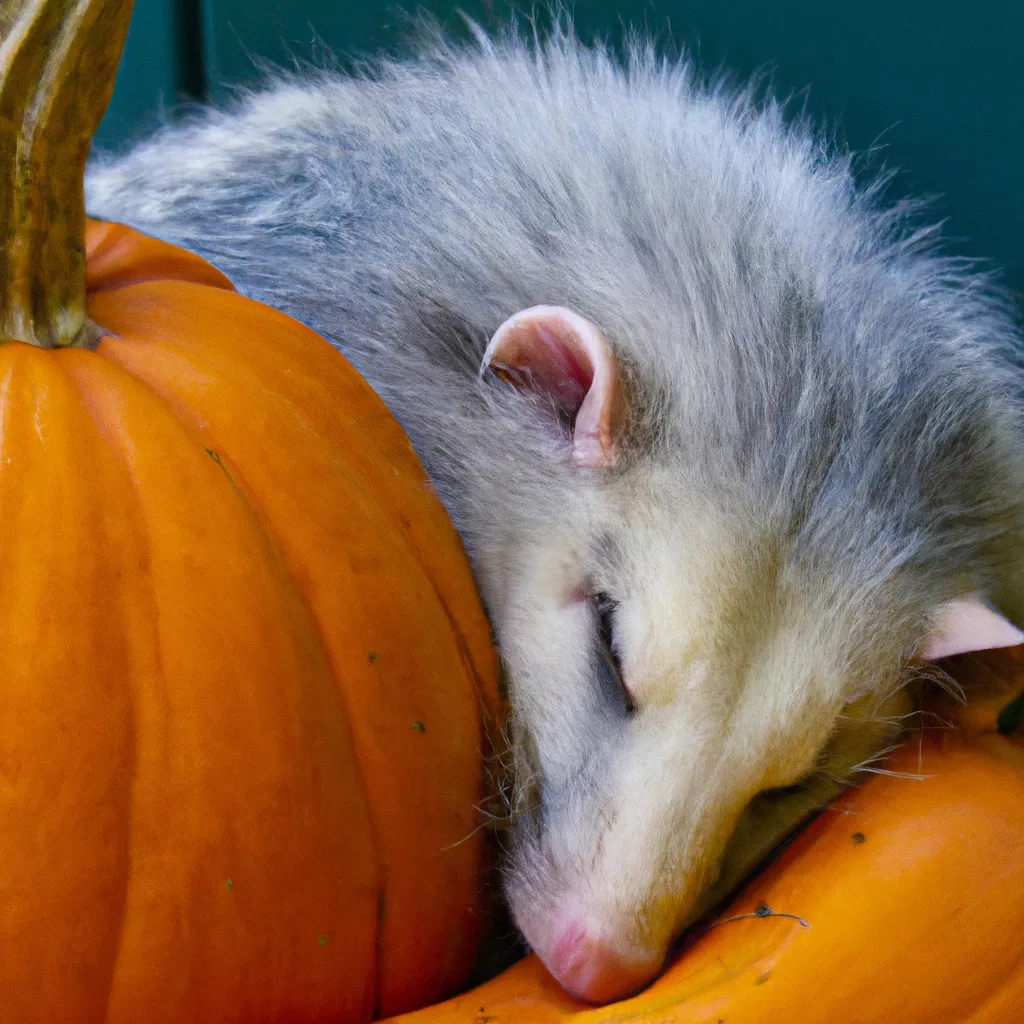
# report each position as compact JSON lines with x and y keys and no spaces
{"x":464,"y":839}
{"x":913,"y":776}
{"x":932,"y":673}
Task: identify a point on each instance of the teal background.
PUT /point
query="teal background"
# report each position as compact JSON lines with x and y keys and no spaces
{"x":938,"y":87}
{"x":151,"y":71}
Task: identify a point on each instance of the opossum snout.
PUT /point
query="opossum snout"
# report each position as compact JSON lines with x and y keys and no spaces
{"x":604,"y":881}
{"x":594,"y":970}
{"x":603,"y":921}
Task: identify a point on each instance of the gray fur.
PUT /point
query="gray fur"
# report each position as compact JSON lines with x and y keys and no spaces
{"x":800,"y":365}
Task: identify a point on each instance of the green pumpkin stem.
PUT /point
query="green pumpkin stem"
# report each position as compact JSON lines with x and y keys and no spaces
{"x":58,"y":60}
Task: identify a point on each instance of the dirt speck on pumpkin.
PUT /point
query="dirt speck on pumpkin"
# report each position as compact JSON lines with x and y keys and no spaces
{"x":764,"y":910}
{"x":859,"y":837}
{"x":220,"y":462}
{"x":229,"y":884}
{"x":762,"y":978}
{"x":372,"y":657}
{"x":419,"y":726}
{"x":321,"y":939}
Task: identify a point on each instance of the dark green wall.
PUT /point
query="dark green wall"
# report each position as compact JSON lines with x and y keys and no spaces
{"x":940,"y":86}
{"x":151,"y":72}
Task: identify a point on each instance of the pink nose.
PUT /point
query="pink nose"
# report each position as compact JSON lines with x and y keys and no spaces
{"x":592,"y":971}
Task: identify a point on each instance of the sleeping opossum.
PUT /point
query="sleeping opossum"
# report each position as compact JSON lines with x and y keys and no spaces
{"x":732,"y":449}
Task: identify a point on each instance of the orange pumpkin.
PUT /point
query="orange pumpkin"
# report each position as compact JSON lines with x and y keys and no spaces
{"x":244,"y":675}
{"x":903,"y":901}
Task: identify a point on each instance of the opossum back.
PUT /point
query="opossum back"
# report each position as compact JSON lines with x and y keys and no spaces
{"x":780,"y":329}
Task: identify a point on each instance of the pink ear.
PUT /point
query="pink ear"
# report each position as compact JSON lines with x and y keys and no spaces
{"x":968,"y":624}
{"x":560,"y":353}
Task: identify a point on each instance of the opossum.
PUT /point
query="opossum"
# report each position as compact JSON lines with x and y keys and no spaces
{"x":732,"y":446}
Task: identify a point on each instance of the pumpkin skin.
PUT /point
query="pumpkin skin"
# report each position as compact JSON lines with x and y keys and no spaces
{"x":245,"y":678}
{"x":912,"y":891}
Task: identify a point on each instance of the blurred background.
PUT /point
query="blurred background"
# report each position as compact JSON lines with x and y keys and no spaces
{"x":936,"y":89}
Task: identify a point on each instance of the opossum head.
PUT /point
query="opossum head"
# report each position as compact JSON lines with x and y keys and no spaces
{"x":675,"y":648}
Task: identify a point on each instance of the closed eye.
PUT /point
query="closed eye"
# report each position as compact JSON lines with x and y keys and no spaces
{"x":605,"y":608}
{"x":793,"y":787}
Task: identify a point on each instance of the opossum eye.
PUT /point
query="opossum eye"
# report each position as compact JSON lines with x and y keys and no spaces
{"x":796,"y":786}
{"x":605,"y":608}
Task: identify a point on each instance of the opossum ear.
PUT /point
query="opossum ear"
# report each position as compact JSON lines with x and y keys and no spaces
{"x":559,"y":353}
{"x":969,"y":624}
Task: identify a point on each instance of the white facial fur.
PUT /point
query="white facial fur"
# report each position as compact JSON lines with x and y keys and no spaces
{"x":739,"y":681}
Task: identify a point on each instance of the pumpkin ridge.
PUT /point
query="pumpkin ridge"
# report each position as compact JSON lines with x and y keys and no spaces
{"x":290,"y":595}
{"x":250,"y":499}
{"x":132,"y":796}
{"x":189,"y":412}
{"x":994,"y":1001}
{"x":982,"y":1010}
{"x":5,"y":386}
{"x":119,"y":443}
{"x":157,"y":680}
{"x":105,"y":728}
{"x":323,"y":363}
{"x":490,"y":722}
{"x":119,"y":257}
{"x":254,"y":382}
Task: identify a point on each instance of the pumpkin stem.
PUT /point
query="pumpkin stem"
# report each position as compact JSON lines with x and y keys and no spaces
{"x":58,"y":60}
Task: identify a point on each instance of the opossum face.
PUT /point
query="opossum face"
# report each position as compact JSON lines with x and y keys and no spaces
{"x":669,"y":662}
{"x":648,"y":715}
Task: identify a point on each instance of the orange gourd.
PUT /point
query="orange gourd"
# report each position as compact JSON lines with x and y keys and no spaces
{"x":245,"y":680}
{"x":906,"y":896}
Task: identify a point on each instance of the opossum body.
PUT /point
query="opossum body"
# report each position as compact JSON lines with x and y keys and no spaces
{"x":730,"y":449}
